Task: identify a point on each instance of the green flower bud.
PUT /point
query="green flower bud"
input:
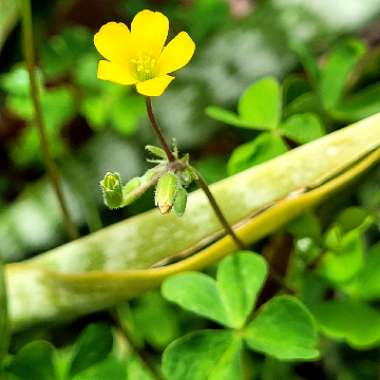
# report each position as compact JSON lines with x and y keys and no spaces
{"x":166,"y":190}
{"x":180,"y":202}
{"x":112,"y":190}
{"x":186,"y":177}
{"x":156,"y":151}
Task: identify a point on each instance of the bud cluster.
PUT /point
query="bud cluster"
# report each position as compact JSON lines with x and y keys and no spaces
{"x":170,"y":178}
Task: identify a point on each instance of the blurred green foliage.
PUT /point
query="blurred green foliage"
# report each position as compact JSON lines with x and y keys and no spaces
{"x":97,"y":354}
{"x":293,"y":71}
{"x":260,"y":108}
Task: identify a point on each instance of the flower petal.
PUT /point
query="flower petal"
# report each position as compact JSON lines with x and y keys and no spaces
{"x":115,"y":72}
{"x":176,"y":54}
{"x":149,"y":31}
{"x":155,"y":86}
{"x":114,"y":42}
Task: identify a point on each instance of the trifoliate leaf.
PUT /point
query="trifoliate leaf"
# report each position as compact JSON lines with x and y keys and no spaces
{"x":285,"y":329}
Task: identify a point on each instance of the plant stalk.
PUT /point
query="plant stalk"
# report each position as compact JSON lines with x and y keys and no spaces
{"x":4,"y":321}
{"x":157,"y":130}
{"x":28,"y":47}
{"x":202,"y":184}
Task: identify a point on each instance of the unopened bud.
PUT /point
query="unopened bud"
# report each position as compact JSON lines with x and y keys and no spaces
{"x":180,"y":202}
{"x":155,"y":150}
{"x":186,"y":177}
{"x":112,"y":190}
{"x":166,"y":190}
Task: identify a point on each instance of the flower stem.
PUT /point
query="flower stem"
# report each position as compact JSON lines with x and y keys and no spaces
{"x":28,"y":45}
{"x":202,"y":184}
{"x":157,"y":130}
{"x":4,"y":320}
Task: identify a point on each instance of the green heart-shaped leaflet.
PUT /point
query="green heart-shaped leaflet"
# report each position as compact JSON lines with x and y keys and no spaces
{"x":230,"y":298}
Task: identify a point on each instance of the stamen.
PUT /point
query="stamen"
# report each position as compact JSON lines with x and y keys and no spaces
{"x":145,"y":66}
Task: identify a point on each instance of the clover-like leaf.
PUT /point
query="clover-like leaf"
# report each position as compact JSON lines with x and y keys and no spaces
{"x":155,"y":320}
{"x":204,"y":355}
{"x":308,"y":61}
{"x":107,"y":107}
{"x":228,"y":117}
{"x":306,"y":225}
{"x":35,"y":361}
{"x":307,"y":102}
{"x":260,"y":105}
{"x":349,"y":320}
{"x":284,"y":329}
{"x":110,"y":368}
{"x":16,"y":81}
{"x":345,"y":261}
{"x":293,"y":86}
{"x":303,"y":128}
{"x":336,"y":71}
{"x":239,"y":280}
{"x":366,"y":284}
{"x":61,"y":53}
{"x":359,"y":105}
{"x":354,"y":218}
{"x":230,"y":298}
{"x":263,"y":148}
{"x":93,"y":346}
{"x":198,"y":293}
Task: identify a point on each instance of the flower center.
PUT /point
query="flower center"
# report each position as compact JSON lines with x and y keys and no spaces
{"x":145,"y":65}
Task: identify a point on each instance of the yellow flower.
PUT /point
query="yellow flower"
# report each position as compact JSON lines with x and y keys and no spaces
{"x":138,"y":56}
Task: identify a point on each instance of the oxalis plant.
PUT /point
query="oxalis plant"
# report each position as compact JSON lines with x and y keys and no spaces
{"x":138,"y":57}
{"x":249,"y":327}
{"x":283,"y":327}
